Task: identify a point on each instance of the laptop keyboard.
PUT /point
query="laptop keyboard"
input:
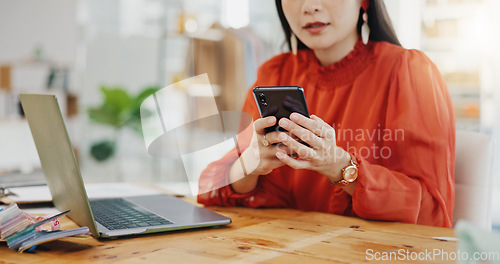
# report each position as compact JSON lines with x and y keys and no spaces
{"x":117,"y":213}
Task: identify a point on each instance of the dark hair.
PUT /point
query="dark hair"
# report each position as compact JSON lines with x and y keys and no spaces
{"x":380,"y":24}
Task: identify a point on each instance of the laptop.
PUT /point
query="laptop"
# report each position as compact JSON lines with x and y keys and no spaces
{"x":105,"y":218}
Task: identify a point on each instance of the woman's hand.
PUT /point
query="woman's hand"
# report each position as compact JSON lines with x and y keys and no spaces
{"x":322,"y":154}
{"x":259,"y":158}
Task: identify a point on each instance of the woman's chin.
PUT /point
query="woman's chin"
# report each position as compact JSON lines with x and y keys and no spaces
{"x":318,"y":47}
{"x":318,"y":43}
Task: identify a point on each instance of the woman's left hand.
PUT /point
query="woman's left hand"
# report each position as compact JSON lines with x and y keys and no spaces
{"x":322,"y":154}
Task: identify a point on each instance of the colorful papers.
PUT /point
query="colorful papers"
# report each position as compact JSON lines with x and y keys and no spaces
{"x":20,"y":233}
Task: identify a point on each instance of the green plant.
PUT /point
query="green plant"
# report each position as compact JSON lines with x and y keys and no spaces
{"x":118,"y":110}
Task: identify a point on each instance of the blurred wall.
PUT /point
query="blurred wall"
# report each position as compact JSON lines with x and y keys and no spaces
{"x":28,"y":24}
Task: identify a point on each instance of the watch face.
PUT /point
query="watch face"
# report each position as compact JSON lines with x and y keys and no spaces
{"x":351,"y":173}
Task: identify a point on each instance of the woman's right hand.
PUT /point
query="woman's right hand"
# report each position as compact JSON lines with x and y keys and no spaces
{"x":257,"y":159}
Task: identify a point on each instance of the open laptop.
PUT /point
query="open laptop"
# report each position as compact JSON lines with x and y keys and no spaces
{"x":105,"y":218}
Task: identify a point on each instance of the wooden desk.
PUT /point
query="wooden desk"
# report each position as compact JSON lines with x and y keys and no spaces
{"x":256,"y":235}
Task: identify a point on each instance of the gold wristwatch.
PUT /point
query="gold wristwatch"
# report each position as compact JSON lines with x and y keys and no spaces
{"x":349,"y":173}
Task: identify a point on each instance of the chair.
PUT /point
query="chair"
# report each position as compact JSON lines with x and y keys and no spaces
{"x":473,"y":178}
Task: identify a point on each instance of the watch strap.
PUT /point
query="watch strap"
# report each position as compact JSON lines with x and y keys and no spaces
{"x":343,"y":181}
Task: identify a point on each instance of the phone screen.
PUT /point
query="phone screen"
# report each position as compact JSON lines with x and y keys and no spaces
{"x":280,"y":101}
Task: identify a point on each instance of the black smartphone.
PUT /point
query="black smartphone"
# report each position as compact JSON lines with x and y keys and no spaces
{"x":280,"y":101}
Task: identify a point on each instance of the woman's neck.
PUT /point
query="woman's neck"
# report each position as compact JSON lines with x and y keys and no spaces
{"x":336,"y":52}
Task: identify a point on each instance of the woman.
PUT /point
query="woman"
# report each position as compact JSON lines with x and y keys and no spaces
{"x":381,"y":142}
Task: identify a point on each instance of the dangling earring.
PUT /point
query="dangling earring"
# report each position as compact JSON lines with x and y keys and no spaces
{"x":365,"y":29}
{"x":293,"y":43}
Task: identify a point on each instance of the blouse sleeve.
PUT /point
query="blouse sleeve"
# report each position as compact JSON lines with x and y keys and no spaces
{"x":416,"y":185}
{"x":214,"y":183}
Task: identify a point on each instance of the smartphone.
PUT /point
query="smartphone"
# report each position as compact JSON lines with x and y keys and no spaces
{"x":280,"y":101}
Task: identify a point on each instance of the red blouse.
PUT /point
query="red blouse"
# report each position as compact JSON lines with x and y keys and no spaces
{"x":390,"y":108}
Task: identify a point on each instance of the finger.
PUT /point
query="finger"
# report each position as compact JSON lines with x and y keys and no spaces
{"x":313,"y":125}
{"x":328,"y":131}
{"x":270,"y":150}
{"x":302,"y":150}
{"x":294,"y":163}
{"x":261,"y":123}
{"x":301,"y":132}
{"x":283,"y":148}
{"x":272,"y":137}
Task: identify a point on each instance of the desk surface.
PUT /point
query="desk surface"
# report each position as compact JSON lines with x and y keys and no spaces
{"x":256,"y":235}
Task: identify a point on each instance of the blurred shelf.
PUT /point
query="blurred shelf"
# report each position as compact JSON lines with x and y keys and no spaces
{"x":446,"y":40}
{"x":450,"y":9}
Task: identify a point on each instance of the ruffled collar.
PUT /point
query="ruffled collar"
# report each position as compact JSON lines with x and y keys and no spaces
{"x":343,"y":71}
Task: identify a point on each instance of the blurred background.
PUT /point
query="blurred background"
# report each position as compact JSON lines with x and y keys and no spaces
{"x":102,"y":58}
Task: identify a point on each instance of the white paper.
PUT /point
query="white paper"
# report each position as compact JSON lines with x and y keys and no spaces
{"x":36,"y":194}
{"x":32,"y":194}
{"x":446,"y":238}
{"x":42,"y":211}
